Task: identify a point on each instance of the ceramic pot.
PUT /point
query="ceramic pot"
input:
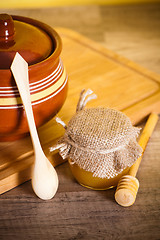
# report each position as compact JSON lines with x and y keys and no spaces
{"x":40,"y":46}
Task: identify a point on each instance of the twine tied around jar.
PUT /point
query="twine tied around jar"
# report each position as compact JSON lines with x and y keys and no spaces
{"x":99,"y":140}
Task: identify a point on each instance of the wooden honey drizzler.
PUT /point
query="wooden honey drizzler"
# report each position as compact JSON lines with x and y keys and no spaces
{"x":128,"y":185}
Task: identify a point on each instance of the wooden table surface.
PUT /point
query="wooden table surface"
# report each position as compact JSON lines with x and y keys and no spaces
{"x":76,"y":212}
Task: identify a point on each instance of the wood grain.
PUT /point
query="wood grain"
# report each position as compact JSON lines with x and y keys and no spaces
{"x":77,"y":212}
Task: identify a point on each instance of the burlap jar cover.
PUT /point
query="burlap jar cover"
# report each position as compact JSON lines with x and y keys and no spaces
{"x":99,"y":140}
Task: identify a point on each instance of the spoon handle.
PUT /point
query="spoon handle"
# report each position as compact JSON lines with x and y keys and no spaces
{"x":19,"y":69}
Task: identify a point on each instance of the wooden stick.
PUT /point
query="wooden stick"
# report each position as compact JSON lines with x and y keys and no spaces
{"x":128,"y":185}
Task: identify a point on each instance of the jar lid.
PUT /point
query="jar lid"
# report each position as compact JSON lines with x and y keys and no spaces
{"x":19,"y":35}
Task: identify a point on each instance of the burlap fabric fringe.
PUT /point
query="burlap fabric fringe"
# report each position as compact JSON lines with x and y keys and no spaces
{"x":99,"y":140}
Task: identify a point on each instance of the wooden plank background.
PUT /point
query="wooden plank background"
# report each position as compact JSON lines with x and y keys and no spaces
{"x":77,"y":212}
{"x":53,"y":3}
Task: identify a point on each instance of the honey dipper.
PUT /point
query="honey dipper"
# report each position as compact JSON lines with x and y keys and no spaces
{"x":128,"y":185}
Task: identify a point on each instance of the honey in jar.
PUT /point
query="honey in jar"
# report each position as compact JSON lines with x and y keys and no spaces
{"x":86,"y":178}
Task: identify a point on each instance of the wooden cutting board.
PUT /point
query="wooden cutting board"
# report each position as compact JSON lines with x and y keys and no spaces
{"x":118,"y":83}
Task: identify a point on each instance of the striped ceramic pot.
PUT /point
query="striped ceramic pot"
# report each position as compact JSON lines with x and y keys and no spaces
{"x":47,"y":79}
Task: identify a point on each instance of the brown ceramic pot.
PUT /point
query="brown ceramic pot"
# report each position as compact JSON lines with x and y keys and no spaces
{"x":40,"y":46}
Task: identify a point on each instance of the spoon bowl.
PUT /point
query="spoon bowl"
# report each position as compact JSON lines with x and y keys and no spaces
{"x":44,"y":179}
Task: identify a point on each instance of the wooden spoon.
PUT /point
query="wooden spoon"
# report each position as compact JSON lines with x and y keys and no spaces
{"x":44,"y":177}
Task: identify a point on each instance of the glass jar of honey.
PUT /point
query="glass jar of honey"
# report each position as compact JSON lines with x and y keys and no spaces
{"x":100,"y":144}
